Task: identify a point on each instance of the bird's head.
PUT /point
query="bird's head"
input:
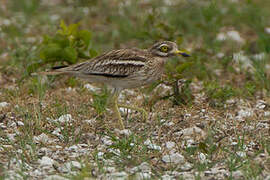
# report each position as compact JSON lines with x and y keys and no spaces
{"x":166,"y":49}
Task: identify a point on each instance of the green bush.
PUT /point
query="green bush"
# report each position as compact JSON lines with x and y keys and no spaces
{"x":68,"y":45}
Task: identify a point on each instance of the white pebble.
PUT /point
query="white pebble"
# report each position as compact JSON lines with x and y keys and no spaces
{"x":20,"y":123}
{"x":145,"y":167}
{"x":55,"y":177}
{"x":241,"y":154}
{"x":11,"y":137}
{"x":237,"y":174}
{"x":267,"y":30}
{"x":64,"y":118}
{"x":167,"y":177}
{"x":91,"y":87}
{"x":173,"y":158}
{"x":3,"y":104}
{"x":244,"y":113}
{"x":170,"y":145}
{"x":142,"y":175}
{"x":202,"y":157}
{"x":42,"y":138}
{"x":46,"y":161}
{"x":73,"y":148}
{"x":106,"y":140}
{"x":118,"y":175}
{"x":192,"y":131}
{"x":150,"y":145}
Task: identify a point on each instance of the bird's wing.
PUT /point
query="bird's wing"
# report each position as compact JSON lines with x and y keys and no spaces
{"x":116,"y":63}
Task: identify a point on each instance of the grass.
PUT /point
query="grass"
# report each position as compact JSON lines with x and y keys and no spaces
{"x":217,"y":88}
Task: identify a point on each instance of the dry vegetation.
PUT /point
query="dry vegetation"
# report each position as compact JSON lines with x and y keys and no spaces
{"x":214,"y":124}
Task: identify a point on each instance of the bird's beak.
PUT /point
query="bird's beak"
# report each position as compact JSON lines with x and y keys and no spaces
{"x":182,"y":53}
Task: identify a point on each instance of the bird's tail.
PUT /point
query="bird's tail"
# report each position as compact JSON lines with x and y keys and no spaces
{"x":54,"y":71}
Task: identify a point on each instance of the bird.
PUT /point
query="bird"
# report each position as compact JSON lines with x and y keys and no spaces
{"x":123,"y":69}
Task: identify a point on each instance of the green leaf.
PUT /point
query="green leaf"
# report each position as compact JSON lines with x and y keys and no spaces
{"x":83,"y":54}
{"x":51,"y":52}
{"x":63,"y":28}
{"x":73,"y":29}
{"x":46,"y":39}
{"x":61,"y":40}
{"x":85,"y":36}
{"x":93,"y":53}
{"x":70,"y":55}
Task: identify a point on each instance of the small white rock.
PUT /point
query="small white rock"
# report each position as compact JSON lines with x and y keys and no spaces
{"x":170,"y":145}
{"x":267,"y":113}
{"x":64,"y":118}
{"x":145,"y":167}
{"x":76,"y":164}
{"x":42,"y":138}
{"x":267,"y":30}
{"x":244,"y":113}
{"x":3,"y":104}
{"x":55,"y":177}
{"x":192,"y":131}
{"x":173,"y":158}
{"x":70,"y":89}
{"x":125,"y":110}
{"x":11,"y":137}
{"x":202,"y":157}
{"x":150,"y":145}
{"x":12,"y":125}
{"x":220,"y":55}
{"x":46,"y":161}
{"x":91,"y":87}
{"x":259,"y":56}
{"x":234,"y":35}
{"x":36,"y":172}
{"x":142,"y":175}
{"x":90,"y":121}
{"x":126,"y":132}
{"x":73,"y":148}
{"x":20,"y":123}
{"x":260,"y":104}
{"x":230,"y":101}
{"x":241,"y":153}
{"x":237,"y":174}
{"x":186,"y":167}
{"x":107,"y":140}
{"x":230,"y":35}
{"x":118,"y":175}
{"x":110,"y":169}
{"x":100,"y":154}
{"x":167,"y":177}
{"x":221,"y":36}
{"x":69,"y":166}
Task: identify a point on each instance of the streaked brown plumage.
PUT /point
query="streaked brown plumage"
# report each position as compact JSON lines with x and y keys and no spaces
{"x":124,"y":68}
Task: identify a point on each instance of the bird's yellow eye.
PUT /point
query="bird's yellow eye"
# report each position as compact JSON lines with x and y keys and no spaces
{"x":164,"y":48}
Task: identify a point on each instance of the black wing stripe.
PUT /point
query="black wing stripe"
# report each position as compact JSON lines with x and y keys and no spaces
{"x":108,"y":75}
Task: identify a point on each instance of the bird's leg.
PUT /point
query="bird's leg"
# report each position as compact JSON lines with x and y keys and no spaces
{"x":141,"y":110}
{"x":116,"y":109}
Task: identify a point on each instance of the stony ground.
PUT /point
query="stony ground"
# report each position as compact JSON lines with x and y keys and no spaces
{"x":175,"y":142}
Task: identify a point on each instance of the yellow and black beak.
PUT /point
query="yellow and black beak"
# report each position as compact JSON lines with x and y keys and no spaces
{"x":182,"y":53}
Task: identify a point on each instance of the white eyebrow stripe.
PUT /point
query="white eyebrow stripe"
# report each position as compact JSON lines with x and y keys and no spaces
{"x":163,"y":45}
{"x":125,"y":62}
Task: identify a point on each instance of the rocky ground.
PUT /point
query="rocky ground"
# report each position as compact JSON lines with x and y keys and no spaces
{"x":175,"y":142}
